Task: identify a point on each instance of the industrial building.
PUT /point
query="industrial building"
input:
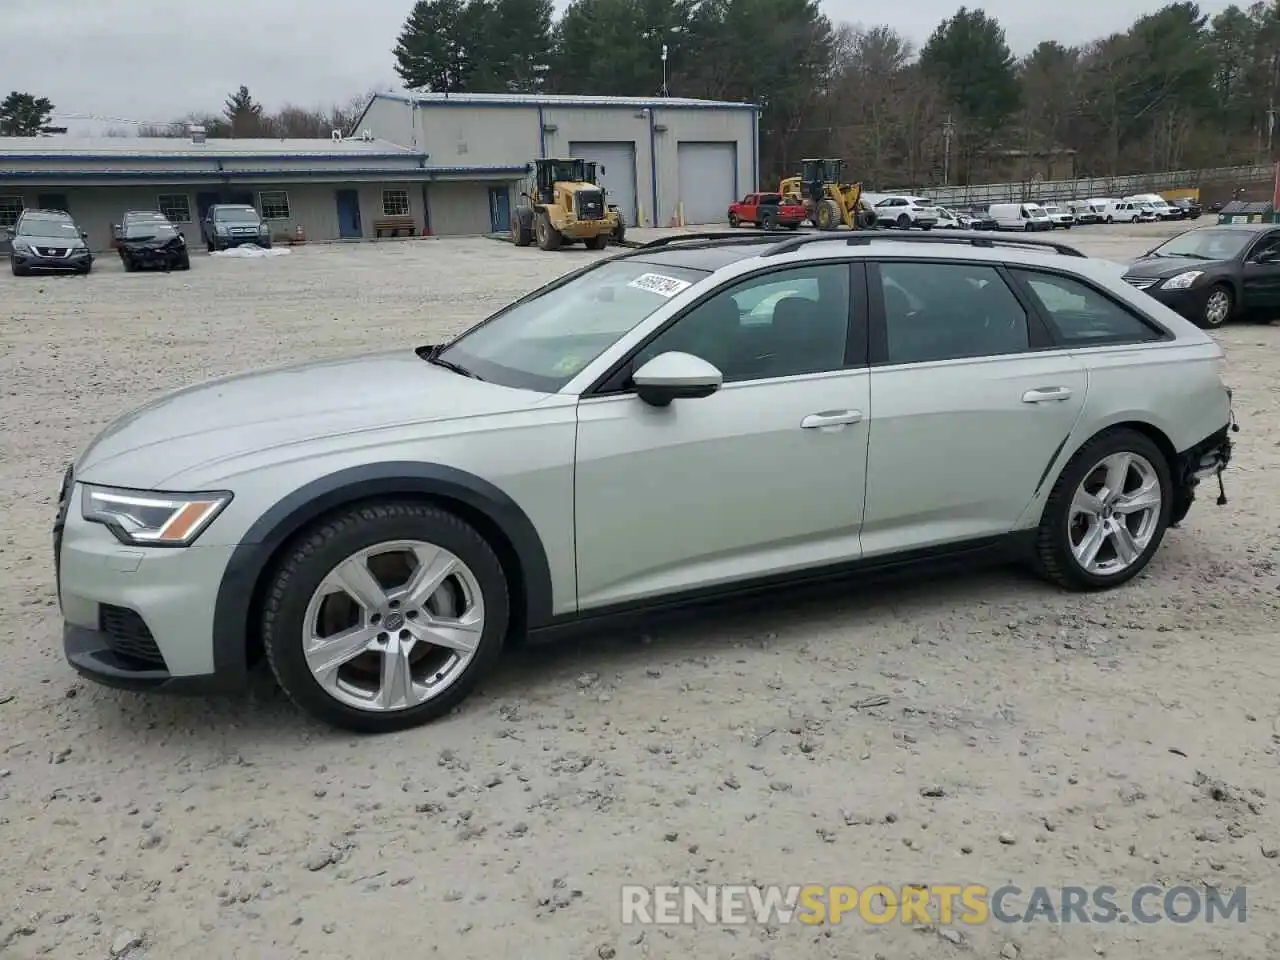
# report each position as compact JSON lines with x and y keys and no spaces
{"x":447,"y":165}
{"x":664,"y":158}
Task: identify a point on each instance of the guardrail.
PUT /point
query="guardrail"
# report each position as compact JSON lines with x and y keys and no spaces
{"x":1085,"y":187}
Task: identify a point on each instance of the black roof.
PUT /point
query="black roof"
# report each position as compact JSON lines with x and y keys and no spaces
{"x":709,"y":258}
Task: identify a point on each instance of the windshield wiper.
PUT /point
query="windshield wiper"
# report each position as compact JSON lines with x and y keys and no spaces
{"x":434,"y":357}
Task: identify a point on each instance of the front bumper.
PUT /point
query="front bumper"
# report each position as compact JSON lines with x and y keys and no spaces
{"x":150,"y":256}
{"x":1188,"y":302}
{"x":240,"y":240}
{"x":138,"y":618}
{"x":30,"y":260}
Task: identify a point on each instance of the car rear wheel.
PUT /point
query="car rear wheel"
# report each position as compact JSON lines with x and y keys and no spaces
{"x":1107,"y":513}
{"x":1218,"y":307}
{"x":385,"y":617}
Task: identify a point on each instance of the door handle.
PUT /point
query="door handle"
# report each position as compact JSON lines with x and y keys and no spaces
{"x":1045,"y":394}
{"x":830,"y":418}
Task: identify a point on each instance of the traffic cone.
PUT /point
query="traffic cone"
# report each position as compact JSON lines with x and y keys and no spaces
{"x":298,"y":235}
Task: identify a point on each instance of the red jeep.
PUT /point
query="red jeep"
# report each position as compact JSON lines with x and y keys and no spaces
{"x":767,"y":210}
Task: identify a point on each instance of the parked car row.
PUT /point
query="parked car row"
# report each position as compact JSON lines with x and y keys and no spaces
{"x":51,"y":241}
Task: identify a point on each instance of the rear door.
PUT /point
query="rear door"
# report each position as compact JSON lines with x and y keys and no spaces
{"x":968,"y":406}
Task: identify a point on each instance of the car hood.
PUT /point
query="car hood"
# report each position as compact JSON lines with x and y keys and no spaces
{"x":1164,"y":267}
{"x":62,"y":243}
{"x":209,"y":424}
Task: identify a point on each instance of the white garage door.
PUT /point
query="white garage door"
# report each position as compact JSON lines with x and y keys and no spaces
{"x":619,"y":178}
{"x":707,"y":175}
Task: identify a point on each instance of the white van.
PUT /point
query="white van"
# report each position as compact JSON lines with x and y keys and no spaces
{"x":1019,"y":216}
{"x":1060,"y":216}
{"x":1159,"y":205}
{"x":1121,"y":211}
{"x":1088,"y":211}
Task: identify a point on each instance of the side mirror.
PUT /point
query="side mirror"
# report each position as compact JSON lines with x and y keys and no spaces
{"x":675,"y":376}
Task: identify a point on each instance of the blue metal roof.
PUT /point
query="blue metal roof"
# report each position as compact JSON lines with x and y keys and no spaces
{"x":160,"y":149}
{"x":302,"y":173}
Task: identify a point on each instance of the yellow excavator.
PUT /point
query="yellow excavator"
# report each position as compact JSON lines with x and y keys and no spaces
{"x":563,"y":202}
{"x":831,"y":202}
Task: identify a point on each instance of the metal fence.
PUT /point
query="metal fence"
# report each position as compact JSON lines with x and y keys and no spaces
{"x":1082,"y":189}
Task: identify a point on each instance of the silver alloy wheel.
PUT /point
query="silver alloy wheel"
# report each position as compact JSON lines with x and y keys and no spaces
{"x":1114,"y":514}
{"x":393,"y":626}
{"x":1217,"y":308}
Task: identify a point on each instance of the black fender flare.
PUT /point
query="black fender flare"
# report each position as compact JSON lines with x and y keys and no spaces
{"x":241,"y":580}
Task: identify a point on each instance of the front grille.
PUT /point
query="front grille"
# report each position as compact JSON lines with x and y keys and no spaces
{"x":1142,"y":283}
{"x":52,"y":251}
{"x":590,"y":205}
{"x":128,"y":636}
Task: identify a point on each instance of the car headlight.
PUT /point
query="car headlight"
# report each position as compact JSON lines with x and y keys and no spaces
{"x":21,"y":246}
{"x":1183,"y":280}
{"x":221,"y":228}
{"x":147,"y":519}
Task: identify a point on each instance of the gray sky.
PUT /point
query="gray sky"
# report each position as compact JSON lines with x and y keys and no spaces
{"x":152,"y":60}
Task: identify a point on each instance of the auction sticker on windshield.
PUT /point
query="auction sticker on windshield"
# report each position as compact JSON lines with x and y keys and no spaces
{"x":657,"y":283}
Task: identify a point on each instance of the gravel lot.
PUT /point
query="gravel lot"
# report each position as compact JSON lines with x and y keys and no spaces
{"x":1122,"y":739}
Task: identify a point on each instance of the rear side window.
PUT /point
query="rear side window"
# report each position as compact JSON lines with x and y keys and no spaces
{"x":946,"y":311}
{"x":1079,"y":315}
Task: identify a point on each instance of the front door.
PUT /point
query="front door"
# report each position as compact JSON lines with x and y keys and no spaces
{"x":765,"y":476}
{"x":499,"y":209}
{"x":1262,"y":273}
{"x":966,"y":416}
{"x":53,"y":201}
{"x":349,"y":215}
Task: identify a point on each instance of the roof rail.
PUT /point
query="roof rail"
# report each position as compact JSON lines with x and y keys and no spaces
{"x":955,"y":237}
{"x":709,"y":235}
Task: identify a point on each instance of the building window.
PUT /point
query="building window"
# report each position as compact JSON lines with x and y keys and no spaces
{"x":175,"y":206}
{"x":275,"y":204}
{"x":395,"y":203}
{"x":10,"y":210}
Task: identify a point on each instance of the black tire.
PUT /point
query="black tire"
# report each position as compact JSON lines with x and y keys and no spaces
{"x":549,"y":238}
{"x":770,"y":221}
{"x":17,"y":270}
{"x":597,"y":242}
{"x":1109,"y":219}
{"x":184,"y":262}
{"x":734,"y":222}
{"x":1028,"y":227}
{"x":827,"y":216}
{"x":1052,"y":557}
{"x":904,"y":222}
{"x":522,"y":228}
{"x":326,"y":544}
{"x":129,"y":265}
{"x":1209,"y":315}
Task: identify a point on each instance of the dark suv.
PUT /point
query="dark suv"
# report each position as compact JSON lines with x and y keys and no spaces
{"x":48,"y":240}
{"x":233,"y":224}
{"x":149,"y":240}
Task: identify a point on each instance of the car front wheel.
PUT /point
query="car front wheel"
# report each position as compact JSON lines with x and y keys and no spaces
{"x":1107,"y":513}
{"x":385,"y":617}
{"x":1218,"y":306}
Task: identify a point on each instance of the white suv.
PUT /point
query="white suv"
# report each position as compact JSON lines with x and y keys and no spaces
{"x":696,"y":417}
{"x":905,"y":212}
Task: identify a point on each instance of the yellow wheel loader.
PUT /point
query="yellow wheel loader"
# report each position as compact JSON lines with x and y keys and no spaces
{"x":562,"y":203}
{"x":831,"y":201}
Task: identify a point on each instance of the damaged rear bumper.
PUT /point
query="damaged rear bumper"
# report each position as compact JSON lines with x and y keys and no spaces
{"x":1204,"y":461}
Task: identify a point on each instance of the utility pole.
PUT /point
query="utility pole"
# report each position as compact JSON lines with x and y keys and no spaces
{"x":948,"y":131}
{"x":664,"y":70}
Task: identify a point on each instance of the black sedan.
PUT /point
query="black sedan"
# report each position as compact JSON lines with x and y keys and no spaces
{"x":153,"y":243}
{"x":1187,"y":209}
{"x":1214,"y":274}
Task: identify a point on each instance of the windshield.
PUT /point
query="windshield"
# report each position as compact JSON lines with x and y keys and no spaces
{"x":149,"y":228}
{"x":541,"y":343}
{"x":1205,"y":244}
{"x":237,"y":215}
{"x":564,"y":171}
{"x":47,"y":227}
